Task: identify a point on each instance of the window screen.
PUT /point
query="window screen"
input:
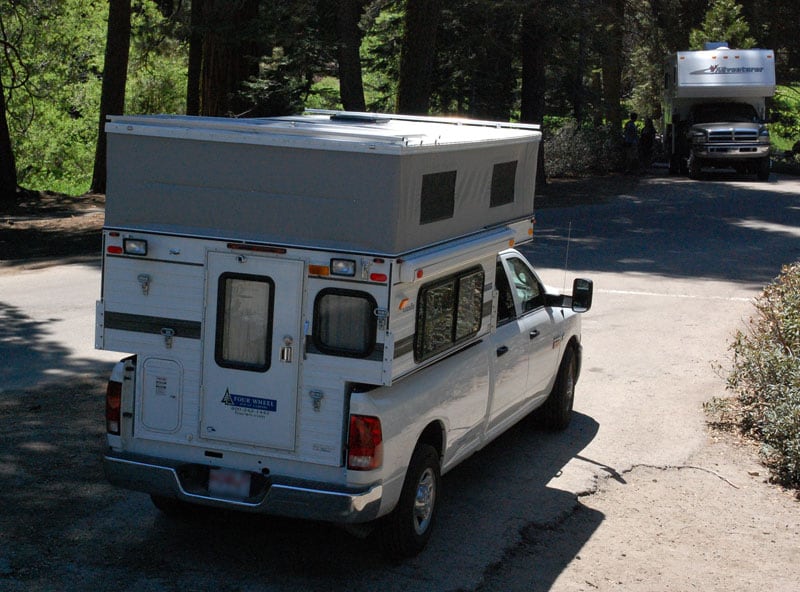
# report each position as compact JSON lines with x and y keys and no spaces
{"x":438,"y":198}
{"x":449,"y":312}
{"x":504,"y":177}
{"x":344,"y":323}
{"x":244,"y":322}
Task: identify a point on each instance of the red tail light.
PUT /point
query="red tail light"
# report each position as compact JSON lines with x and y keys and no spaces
{"x":365,"y":444}
{"x":113,"y":406}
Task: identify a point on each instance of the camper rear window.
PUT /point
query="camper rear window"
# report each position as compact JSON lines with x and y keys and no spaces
{"x":244,"y":322}
{"x":449,"y":312}
{"x":344,"y":323}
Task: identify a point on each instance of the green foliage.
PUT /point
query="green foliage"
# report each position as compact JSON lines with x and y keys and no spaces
{"x":766,"y":375}
{"x":723,"y":22}
{"x":786,"y":112}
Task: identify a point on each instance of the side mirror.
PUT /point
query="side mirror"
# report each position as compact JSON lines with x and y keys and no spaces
{"x":582,"y":291}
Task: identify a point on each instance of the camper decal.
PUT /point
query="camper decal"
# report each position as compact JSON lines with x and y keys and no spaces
{"x":717,"y":69}
{"x":249,"y":406}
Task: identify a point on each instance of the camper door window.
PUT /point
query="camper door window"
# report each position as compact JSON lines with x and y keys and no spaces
{"x":244,"y":322}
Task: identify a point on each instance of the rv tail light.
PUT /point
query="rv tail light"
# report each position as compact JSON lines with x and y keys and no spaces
{"x":378,"y":277}
{"x":113,"y":406}
{"x":365,"y":443}
{"x":114,"y":250}
{"x":135,"y":246}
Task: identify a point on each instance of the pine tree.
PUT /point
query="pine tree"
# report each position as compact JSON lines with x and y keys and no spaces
{"x":723,"y":22}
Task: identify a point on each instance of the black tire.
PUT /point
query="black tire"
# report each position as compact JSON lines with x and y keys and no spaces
{"x":694,"y":167}
{"x":763,"y":170}
{"x":556,"y":413}
{"x":405,"y":532}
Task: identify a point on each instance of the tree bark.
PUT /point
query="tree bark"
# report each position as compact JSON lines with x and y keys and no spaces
{"x":115,"y":75}
{"x":8,"y":167}
{"x":532,"y":103}
{"x":195,"y":58}
{"x":417,"y":56}
{"x":613,"y":19}
{"x":351,"y":85}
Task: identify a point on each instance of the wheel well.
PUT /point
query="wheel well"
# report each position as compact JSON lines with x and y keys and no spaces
{"x":577,"y":350}
{"x":433,"y":435}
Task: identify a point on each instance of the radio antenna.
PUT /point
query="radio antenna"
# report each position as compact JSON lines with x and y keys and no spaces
{"x":566,"y":254}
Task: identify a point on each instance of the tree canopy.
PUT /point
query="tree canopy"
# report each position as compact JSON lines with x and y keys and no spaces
{"x":546,"y":61}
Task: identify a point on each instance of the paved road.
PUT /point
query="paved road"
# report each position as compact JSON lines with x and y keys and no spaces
{"x":675,"y":263}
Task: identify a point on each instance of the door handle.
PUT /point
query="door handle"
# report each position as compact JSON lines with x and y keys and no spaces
{"x":534,"y":334}
{"x":503,"y":349}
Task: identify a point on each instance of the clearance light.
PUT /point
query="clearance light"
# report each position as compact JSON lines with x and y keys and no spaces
{"x":323,"y":270}
{"x":135,"y":246}
{"x":419,"y":274}
{"x":345,"y":267}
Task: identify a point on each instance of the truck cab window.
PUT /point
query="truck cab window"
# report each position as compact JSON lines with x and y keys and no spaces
{"x":505,"y":300}
{"x":529,"y":292}
{"x":344,"y":323}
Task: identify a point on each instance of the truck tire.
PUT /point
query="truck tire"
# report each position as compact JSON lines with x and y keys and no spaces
{"x":763,"y":170}
{"x":556,"y":412}
{"x":694,"y":167}
{"x":405,"y":532}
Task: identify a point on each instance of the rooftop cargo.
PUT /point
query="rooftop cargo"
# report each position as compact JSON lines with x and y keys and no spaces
{"x":355,"y":182}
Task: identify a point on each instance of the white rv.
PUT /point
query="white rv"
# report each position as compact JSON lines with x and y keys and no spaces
{"x":324,"y":312}
{"x":715,"y":111}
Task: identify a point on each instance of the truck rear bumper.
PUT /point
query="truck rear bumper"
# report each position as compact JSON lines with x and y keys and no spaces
{"x":292,"y":498}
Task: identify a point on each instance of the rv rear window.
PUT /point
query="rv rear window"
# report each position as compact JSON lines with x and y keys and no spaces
{"x":438,"y":197}
{"x":344,"y":323}
{"x":244,"y":321}
{"x":504,"y":177}
{"x":450,"y":312}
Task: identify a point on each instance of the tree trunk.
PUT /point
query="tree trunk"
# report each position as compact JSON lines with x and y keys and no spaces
{"x":351,"y":85}
{"x":229,"y":55}
{"x":532,"y":105}
{"x":613,"y":18}
{"x":417,"y":56}
{"x":195,"y":58}
{"x":8,"y":167}
{"x":115,"y":75}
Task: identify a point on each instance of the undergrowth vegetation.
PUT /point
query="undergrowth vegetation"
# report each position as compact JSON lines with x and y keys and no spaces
{"x":766,"y":377}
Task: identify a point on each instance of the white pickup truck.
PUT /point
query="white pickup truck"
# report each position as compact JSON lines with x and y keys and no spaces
{"x":324,"y":312}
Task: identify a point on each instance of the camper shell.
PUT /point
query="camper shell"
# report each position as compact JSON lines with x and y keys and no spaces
{"x":715,"y":109}
{"x":314,"y":309}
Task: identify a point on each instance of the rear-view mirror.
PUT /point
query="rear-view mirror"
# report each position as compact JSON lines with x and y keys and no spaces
{"x":582,"y":291}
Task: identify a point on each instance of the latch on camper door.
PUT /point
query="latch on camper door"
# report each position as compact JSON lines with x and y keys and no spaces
{"x":168,"y":334}
{"x":383,"y":317}
{"x":286,"y":349}
{"x":144,"y":281}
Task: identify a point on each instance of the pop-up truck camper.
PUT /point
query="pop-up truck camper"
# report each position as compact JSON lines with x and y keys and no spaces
{"x":323,"y":313}
{"x":715,"y":109}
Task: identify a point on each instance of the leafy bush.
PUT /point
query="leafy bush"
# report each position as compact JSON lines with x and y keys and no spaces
{"x":573,"y":150}
{"x":766,"y":376}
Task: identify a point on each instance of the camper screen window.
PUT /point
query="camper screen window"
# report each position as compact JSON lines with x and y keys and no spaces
{"x":344,"y":323}
{"x":244,"y":321}
{"x":503,"y":178}
{"x":438,"y":198}
{"x":450,"y":312}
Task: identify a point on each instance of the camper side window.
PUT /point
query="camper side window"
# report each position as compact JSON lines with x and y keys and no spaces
{"x":449,"y":312}
{"x":244,"y":321}
{"x":344,"y":323}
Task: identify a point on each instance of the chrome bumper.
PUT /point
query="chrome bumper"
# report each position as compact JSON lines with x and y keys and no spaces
{"x":731,"y":151}
{"x":296,"y":499}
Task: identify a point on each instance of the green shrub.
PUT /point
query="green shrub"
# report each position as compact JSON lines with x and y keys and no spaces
{"x":573,"y":150}
{"x":766,"y":376}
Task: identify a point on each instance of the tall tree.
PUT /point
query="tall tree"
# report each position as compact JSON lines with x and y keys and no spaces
{"x":351,"y":85}
{"x":417,"y":56}
{"x":115,"y":76}
{"x":195,"y":65}
{"x":723,"y":22}
{"x":8,"y":167}
{"x":612,"y":21}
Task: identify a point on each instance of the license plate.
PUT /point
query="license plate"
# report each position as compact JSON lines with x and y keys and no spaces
{"x":228,"y":483}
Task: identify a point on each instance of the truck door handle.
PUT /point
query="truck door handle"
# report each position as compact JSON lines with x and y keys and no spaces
{"x":534,"y":334}
{"x":503,"y":349}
